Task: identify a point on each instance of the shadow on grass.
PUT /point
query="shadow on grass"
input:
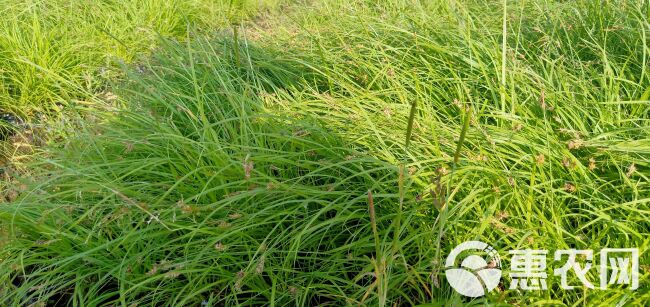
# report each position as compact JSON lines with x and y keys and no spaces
{"x":197,"y":193}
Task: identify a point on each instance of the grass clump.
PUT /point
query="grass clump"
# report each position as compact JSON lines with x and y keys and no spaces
{"x":559,"y":133}
{"x":55,"y":52}
{"x":340,"y":157}
{"x":197,"y":193}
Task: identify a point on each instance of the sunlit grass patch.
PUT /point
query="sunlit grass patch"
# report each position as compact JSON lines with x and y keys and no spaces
{"x":55,"y":52}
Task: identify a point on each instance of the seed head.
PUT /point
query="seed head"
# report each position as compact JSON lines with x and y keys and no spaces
{"x":388,"y":112}
{"x":569,"y":187}
{"x":238,"y":279}
{"x":442,"y":171}
{"x":575,"y":144}
{"x":12,"y":195}
{"x":153,"y":270}
{"x":496,"y":189}
{"x":630,"y":170}
{"x":259,"y":269}
{"x":412,"y":170}
{"x":172,"y":274}
{"x":501,"y":215}
{"x":248,"y":167}
{"x":568,"y":163}
{"x":592,"y":164}
{"x":219,"y":247}
{"x":293,"y":291}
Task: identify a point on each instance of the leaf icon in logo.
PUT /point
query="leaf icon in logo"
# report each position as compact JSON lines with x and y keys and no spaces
{"x":475,"y":277}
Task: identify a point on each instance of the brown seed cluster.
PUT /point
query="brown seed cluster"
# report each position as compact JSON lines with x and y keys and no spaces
{"x":412,"y":170}
{"x":592,"y":164}
{"x":238,"y":280}
{"x":630,"y":170}
{"x":575,"y":144}
{"x":480,"y":158}
{"x":570,"y":187}
{"x":568,"y":163}
{"x":502,"y":215}
{"x":185,"y":208}
{"x":442,"y":171}
{"x":259,"y":269}
{"x":501,"y":226}
{"x":248,"y":168}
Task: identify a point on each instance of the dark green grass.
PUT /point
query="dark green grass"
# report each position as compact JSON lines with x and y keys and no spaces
{"x":200,"y":194}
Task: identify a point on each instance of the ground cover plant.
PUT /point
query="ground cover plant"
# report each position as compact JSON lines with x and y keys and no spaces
{"x":335,"y":152}
{"x":59,"y":57}
{"x":54,"y":52}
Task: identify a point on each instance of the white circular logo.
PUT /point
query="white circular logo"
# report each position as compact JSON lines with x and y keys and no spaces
{"x":476,"y":276}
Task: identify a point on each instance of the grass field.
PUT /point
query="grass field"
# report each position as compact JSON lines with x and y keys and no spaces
{"x":320,"y":153}
{"x":55,"y":52}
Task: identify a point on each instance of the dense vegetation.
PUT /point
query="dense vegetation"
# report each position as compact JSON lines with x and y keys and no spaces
{"x":52,"y":52}
{"x":326,"y":152}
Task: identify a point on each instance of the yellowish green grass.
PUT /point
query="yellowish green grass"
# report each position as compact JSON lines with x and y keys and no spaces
{"x":55,"y":52}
